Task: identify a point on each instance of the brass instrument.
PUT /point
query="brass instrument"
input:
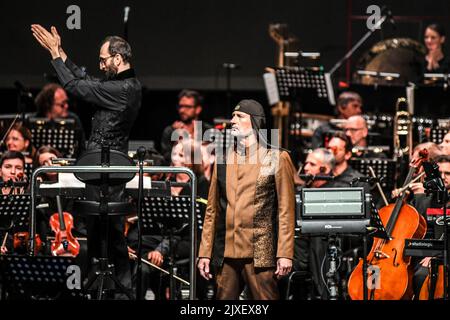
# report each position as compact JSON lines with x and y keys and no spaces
{"x":403,"y":143}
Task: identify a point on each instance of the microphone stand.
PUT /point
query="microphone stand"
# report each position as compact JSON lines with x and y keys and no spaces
{"x":360,"y":42}
{"x":141,"y":154}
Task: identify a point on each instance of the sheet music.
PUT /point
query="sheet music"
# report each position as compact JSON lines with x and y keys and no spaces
{"x":270,"y":83}
{"x":68,"y":180}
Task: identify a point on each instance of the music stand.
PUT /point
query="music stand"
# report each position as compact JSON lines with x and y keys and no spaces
{"x":383,"y":168}
{"x":169,"y":216}
{"x":104,"y":208}
{"x":437,"y":134}
{"x":15,"y":209}
{"x":58,"y":133}
{"x":41,"y":277}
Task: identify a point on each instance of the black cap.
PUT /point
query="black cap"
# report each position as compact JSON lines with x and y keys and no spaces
{"x":255,"y":110}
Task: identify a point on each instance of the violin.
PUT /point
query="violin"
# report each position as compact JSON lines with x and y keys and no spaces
{"x":21,"y":240}
{"x":65,"y":244}
{"x":389,"y":271}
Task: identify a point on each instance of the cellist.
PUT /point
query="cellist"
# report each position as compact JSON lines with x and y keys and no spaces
{"x":423,"y":268}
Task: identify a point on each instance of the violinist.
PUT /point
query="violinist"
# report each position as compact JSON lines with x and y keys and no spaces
{"x":19,"y":139}
{"x":44,"y":157}
{"x":12,"y":165}
{"x":445,"y":144}
{"x":12,"y":169}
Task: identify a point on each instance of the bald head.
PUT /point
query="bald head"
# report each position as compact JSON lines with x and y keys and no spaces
{"x":356,"y":129}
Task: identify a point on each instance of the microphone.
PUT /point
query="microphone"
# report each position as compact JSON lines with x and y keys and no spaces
{"x":126,"y":11}
{"x":141,"y":151}
{"x":312,"y":177}
{"x":22,"y":90}
{"x":370,"y":180}
{"x":228,"y":65}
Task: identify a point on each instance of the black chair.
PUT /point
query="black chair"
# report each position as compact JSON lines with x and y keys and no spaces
{"x":101,"y":183}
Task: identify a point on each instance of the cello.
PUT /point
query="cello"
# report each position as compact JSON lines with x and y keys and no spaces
{"x":391,"y":272}
{"x":65,"y":244}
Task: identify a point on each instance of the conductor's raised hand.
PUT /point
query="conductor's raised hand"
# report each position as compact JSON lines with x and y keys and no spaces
{"x":47,"y":40}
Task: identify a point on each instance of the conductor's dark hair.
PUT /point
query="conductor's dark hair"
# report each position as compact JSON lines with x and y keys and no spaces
{"x":437,"y":28}
{"x":198,"y":99}
{"x":118,"y":45}
{"x":443,"y":158}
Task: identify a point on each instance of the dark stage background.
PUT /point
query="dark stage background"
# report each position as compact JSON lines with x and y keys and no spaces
{"x":183,"y":44}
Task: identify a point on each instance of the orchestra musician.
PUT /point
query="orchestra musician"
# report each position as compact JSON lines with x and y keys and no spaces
{"x":436,"y":61}
{"x":349,"y":104}
{"x":52,"y":103}
{"x":12,"y":164}
{"x":19,"y":139}
{"x":445,"y":145}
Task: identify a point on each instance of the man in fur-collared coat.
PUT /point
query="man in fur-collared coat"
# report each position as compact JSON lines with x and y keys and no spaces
{"x":248,"y":231}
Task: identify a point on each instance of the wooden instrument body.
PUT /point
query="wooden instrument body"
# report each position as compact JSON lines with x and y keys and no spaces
{"x":439,"y":289}
{"x":65,"y":244}
{"x":395,"y":271}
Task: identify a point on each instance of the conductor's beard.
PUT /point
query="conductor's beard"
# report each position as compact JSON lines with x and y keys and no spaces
{"x":110,"y":71}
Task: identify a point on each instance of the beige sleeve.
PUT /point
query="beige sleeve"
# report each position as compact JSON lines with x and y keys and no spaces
{"x":209,"y":223}
{"x":286,"y":206}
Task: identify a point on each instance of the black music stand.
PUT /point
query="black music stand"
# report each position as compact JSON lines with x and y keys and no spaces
{"x":308,"y":90}
{"x":40,"y":277}
{"x":169,"y":216}
{"x":104,"y":208}
{"x":15,"y":209}
{"x":58,"y":133}
{"x":382,"y":167}
{"x":437,"y":134}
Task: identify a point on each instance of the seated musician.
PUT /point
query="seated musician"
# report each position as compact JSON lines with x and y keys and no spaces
{"x":341,"y":146}
{"x":348,"y":104}
{"x":52,"y":103}
{"x":445,"y":145}
{"x":44,"y":157}
{"x":436,"y":61}
{"x":422,"y":204}
{"x":184,"y":155}
{"x":310,"y":252}
{"x":356,"y":129}
{"x":19,"y":139}
{"x":12,"y":165}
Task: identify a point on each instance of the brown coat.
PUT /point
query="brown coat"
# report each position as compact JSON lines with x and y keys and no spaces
{"x":259,"y":220}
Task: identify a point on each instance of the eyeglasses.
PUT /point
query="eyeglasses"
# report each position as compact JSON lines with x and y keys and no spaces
{"x":103,"y":60}
{"x":185,"y":106}
{"x":62,"y":104}
{"x":352,"y":129}
{"x":335,"y":150}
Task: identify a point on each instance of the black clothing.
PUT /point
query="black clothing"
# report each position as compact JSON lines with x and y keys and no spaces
{"x":117,"y":101}
{"x":444,"y":66}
